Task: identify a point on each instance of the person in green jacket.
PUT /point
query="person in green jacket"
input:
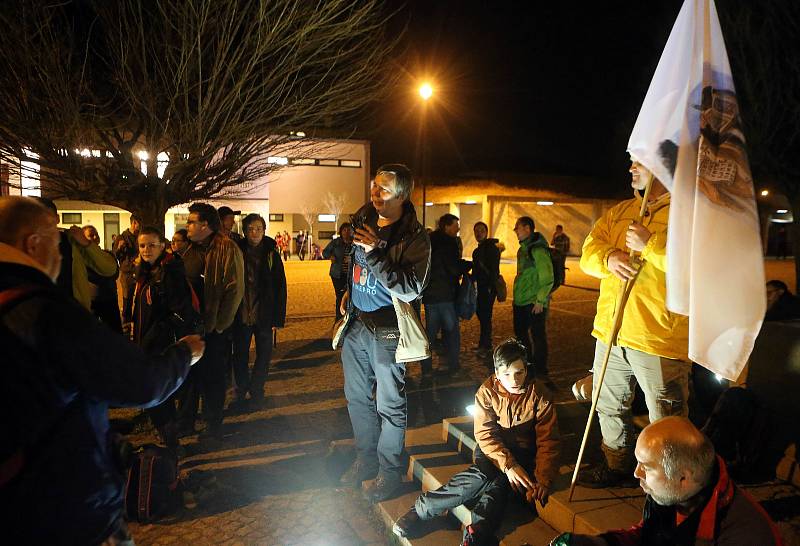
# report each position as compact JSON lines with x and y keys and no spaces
{"x":532,"y":287}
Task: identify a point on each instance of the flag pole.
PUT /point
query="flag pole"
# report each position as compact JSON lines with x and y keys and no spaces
{"x":619,"y":310}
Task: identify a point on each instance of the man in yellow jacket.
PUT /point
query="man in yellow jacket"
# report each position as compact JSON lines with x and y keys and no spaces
{"x":652,"y":345}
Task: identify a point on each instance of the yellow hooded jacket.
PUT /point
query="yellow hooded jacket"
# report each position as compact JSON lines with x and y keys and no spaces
{"x":647,"y":325}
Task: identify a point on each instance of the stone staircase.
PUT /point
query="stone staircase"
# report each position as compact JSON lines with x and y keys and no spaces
{"x":438,"y":451}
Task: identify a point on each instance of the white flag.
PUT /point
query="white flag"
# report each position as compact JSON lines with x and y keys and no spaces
{"x":689,"y":135}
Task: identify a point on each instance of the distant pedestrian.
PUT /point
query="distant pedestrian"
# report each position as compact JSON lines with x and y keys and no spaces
{"x":261,"y":313}
{"x":532,"y":287}
{"x":180,"y":242}
{"x":61,"y":482}
{"x":560,"y":241}
{"x":340,"y":252}
{"x":126,"y":251}
{"x":486,"y":271}
{"x":301,"y":245}
{"x":781,"y":244}
{"x":391,"y":262}
{"x":227,"y":217}
{"x":161,"y":311}
{"x":439,"y":296}
{"x":215,"y":267}
{"x":103,"y":289}
{"x":287,"y":246}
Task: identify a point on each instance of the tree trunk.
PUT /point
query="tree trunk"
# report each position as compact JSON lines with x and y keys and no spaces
{"x":150,"y":204}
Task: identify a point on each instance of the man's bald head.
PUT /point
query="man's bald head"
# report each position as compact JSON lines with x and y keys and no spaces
{"x":31,"y":228}
{"x":675,"y":459}
{"x":19,"y":217}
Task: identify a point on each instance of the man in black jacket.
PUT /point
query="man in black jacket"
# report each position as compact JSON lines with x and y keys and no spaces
{"x":60,"y":481}
{"x":391,"y":261}
{"x":440,"y":295}
{"x":263,"y":310}
{"x":486,"y":270}
{"x":340,"y":252}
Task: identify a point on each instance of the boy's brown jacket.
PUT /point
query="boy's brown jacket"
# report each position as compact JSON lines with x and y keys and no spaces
{"x":504,"y":421}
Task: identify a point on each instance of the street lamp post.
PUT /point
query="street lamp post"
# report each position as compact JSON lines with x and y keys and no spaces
{"x":425,"y":93}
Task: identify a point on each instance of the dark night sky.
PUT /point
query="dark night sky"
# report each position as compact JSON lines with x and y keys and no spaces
{"x":528,"y":87}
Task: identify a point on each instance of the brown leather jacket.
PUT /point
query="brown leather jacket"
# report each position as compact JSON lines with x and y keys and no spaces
{"x":528,"y":421}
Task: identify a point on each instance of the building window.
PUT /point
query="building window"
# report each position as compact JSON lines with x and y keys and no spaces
{"x":29,"y":176}
{"x":325,"y":234}
{"x":4,"y":185}
{"x":303,"y":161}
{"x":276,"y":217}
{"x":326,"y":218}
{"x":72,"y":218}
{"x":275,"y":160}
{"x":181,"y":221}
{"x":328,"y":163}
{"x":350,"y":163}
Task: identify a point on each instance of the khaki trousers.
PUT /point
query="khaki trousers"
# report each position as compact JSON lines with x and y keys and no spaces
{"x":665,"y":383}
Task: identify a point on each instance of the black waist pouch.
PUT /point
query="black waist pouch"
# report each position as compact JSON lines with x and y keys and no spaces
{"x":383,"y":325}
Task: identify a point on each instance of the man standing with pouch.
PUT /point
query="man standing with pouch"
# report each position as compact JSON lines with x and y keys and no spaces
{"x":391,"y":263}
{"x":652,"y":344}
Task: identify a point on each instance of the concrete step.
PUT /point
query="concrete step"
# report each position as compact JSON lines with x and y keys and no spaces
{"x":591,"y":510}
{"x":432,"y":462}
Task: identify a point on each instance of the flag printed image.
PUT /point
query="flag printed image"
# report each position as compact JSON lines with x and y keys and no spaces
{"x":689,"y":135}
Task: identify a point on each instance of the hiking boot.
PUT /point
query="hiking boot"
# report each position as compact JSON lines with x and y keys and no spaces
{"x":382,"y":488}
{"x":357,"y":473}
{"x":601,"y":476}
{"x":408,"y":524}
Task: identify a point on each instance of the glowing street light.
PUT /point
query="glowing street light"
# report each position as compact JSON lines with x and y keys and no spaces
{"x":764,"y":193}
{"x":425,"y":91}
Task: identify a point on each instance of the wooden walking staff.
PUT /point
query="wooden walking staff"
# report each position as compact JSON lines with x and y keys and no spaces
{"x":619,"y":310}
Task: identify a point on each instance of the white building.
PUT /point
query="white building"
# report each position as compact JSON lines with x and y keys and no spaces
{"x":342,"y":169}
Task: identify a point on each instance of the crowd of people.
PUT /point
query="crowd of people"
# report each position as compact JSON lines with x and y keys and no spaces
{"x":192,"y":307}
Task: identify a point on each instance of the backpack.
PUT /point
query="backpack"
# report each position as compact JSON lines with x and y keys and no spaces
{"x":152,"y":491}
{"x":559,"y":267}
{"x":466,"y":297}
{"x":559,"y":261}
{"x":739,"y":428}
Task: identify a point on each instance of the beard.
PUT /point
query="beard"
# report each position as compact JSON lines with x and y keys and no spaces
{"x":669,"y":496}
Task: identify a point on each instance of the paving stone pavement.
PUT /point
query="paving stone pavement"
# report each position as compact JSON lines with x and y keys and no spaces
{"x":272,"y":482}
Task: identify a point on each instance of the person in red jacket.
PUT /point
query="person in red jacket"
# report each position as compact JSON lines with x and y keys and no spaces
{"x":691,"y":500}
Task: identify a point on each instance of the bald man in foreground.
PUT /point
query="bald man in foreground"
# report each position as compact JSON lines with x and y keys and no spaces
{"x":691,"y":500}
{"x":61,"y":480}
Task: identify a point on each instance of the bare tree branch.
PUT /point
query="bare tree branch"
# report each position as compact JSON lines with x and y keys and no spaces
{"x":217,"y":86}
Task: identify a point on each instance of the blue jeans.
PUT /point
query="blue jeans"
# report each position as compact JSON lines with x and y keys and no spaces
{"x":379,"y":420}
{"x":443,"y":316}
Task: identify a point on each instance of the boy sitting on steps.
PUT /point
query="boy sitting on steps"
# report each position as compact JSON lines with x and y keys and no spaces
{"x":518,"y":445}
